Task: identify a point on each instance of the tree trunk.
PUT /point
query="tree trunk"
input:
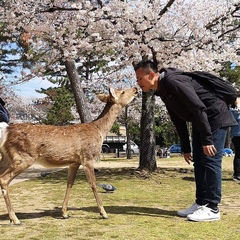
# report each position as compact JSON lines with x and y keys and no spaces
{"x":228,"y":139}
{"x":78,"y":92}
{"x":128,"y":149}
{"x":147,"y":148}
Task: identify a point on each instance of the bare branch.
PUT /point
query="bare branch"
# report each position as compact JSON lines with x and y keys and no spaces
{"x":100,"y":3}
{"x":221,"y":18}
{"x":56,"y":8}
{"x":229,"y":31}
{"x":169,"y":4}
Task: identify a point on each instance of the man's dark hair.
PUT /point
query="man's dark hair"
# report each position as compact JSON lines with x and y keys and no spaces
{"x":147,"y":65}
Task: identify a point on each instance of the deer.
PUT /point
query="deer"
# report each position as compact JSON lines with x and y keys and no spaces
{"x":23,"y":144}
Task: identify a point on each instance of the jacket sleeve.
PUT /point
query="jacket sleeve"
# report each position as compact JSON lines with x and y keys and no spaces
{"x":183,"y":88}
{"x":182,"y":130}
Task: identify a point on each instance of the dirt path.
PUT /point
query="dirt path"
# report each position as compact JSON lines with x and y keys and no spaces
{"x":35,"y":170}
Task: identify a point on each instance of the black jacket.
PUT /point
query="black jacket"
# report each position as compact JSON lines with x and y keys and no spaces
{"x":4,"y":115}
{"x":188,"y":101}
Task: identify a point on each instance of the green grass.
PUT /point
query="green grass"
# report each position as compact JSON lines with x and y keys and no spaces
{"x":139,"y":209}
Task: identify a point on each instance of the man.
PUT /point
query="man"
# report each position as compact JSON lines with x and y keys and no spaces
{"x":4,"y":115}
{"x":235,"y":136}
{"x":188,"y":101}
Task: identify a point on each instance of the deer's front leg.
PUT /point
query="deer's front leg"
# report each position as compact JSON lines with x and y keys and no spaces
{"x":89,"y":172}
{"x":72,"y":171}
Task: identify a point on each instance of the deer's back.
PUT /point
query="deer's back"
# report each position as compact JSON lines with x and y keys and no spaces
{"x":53,"y":145}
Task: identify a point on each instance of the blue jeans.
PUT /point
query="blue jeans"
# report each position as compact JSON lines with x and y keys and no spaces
{"x":236,"y":160}
{"x":208,"y":170}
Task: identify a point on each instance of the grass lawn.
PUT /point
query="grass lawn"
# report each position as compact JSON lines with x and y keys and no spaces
{"x":139,"y":209}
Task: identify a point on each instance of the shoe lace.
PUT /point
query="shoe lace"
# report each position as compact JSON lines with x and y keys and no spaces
{"x":202,"y":209}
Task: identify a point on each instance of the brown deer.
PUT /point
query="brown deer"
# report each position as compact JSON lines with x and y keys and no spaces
{"x":22,"y":145}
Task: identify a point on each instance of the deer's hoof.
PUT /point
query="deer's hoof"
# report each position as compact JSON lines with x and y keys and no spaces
{"x":65,"y":216}
{"x":16,"y":222}
{"x":104,"y":216}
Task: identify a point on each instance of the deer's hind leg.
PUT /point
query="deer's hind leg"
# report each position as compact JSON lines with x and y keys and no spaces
{"x":89,"y":172}
{"x":9,"y":170}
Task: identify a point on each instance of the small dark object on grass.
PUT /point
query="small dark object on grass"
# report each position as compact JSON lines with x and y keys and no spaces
{"x":107,"y":187}
{"x":44,"y":174}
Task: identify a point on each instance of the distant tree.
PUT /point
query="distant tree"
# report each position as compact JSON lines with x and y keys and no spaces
{"x":232,"y":73}
{"x":165,"y":131}
{"x":60,"y":103}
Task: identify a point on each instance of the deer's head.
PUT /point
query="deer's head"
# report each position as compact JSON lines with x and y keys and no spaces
{"x":121,"y":97}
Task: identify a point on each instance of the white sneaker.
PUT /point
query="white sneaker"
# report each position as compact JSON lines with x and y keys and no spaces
{"x":203,"y":214}
{"x":190,"y":210}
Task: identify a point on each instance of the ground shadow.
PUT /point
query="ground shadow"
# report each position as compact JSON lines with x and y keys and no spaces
{"x":123,"y":210}
{"x":133,"y":210}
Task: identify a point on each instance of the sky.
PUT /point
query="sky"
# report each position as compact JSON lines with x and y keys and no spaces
{"x":28,"y":89}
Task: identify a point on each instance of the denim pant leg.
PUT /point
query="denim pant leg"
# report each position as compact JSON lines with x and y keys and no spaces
{"x":208,"y":170}
{"x":236,"y":161}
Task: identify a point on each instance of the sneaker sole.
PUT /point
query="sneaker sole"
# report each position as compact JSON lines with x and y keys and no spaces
{"x":236,"y":180}
{"x":203,"y":220}
{"x":181,"y":215}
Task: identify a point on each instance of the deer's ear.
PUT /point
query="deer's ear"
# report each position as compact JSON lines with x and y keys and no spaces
{"x":112,"y":93}
{"x":103,"y":97}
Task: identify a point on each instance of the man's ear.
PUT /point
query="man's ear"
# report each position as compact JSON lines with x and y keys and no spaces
{"x":152,"y":75}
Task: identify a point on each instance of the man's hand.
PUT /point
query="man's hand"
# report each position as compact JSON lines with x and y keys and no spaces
{"x":209,"y":150}
{"x":188,"y":157}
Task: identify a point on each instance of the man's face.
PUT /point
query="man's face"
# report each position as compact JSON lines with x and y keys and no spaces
{"x":145,"y":80}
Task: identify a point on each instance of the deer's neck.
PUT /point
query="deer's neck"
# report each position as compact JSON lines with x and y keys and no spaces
{"x":106,"y":119}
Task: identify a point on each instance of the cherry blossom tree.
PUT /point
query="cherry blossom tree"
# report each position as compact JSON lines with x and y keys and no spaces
{"x":186,"y":34}
{"x":196,"y":34}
